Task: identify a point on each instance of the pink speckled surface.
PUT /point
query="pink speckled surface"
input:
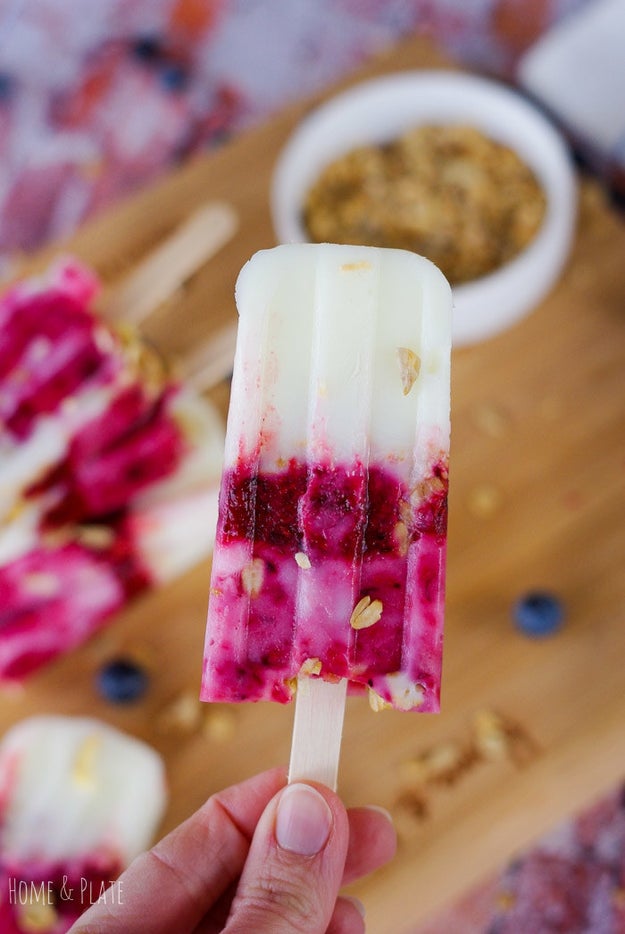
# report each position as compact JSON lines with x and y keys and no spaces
{"x":571,"y":882}
{"x":92,"y":107}
{"x":343,"y":516}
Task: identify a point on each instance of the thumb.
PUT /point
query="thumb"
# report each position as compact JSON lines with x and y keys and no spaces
{"x":293,"y":871}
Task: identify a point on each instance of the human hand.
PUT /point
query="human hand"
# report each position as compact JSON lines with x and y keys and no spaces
{"x":257,"y":857}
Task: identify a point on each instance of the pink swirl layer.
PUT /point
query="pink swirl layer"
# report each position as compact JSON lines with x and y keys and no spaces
{"x":296,"y":552}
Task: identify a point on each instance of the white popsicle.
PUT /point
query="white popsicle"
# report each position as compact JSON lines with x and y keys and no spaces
{"x":329,"y":562}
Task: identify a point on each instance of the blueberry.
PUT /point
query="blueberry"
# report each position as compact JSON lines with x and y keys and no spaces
{"x":122,"y":681}
{"x":538,"y":613}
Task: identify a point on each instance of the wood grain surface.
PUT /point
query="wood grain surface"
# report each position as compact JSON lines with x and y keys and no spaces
{"x":530,"y":729}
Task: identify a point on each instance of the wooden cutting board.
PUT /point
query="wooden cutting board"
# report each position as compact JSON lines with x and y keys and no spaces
{"x":531,"y":729}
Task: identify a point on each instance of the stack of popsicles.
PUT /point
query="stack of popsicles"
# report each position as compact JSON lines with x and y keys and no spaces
{"x":330,"y":554}
{"x":108,"y":469}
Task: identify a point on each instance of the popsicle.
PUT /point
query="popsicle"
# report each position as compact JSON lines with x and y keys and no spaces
{"x":109,"y":469}
{"x":78,"y":801}
{"x":329,"y":562}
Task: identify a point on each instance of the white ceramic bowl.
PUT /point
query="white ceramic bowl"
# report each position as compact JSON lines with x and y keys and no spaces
{"x":382,"y":109}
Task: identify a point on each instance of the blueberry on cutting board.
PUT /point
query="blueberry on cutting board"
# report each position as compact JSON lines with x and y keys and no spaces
{"x":538,"y":613}
{"x":122,"y":681}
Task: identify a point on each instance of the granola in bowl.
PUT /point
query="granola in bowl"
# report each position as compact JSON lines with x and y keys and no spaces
{"x":459,"y":168}
{"x":448,"y":192}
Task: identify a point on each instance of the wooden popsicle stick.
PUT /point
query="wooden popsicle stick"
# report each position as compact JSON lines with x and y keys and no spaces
{"x":317,"y":730}
{"x":167,"y":267}
{"x":212,"y":362}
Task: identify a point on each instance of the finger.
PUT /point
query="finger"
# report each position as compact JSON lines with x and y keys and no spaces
{"x":295,"y":865}
{"x":176,"y":882}
{"x":348,"y":917}
{"x":215,"y":921}
{"x":372,"y":842}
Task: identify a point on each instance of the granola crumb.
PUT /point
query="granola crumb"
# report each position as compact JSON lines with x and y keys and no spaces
{"x":252,"y":577}
{"x":490,"y":419}
{"x":490,"y":735}
{"x":353,"y":267}
{"x":181,"y":715}
{"x":409,"y":368}
{"x":219,"y":725}
{"x":98,"y":537}
{"x":402,"y":537}
{"x":484,"y":501}
{"x":376,"y":702}
{"x":366,"y":613}
{"x":312,"y":666}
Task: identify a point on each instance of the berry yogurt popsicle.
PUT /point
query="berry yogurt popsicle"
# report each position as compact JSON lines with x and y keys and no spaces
{"x":78,"y":801}
{"x":329,"y":562}
{"x":109,"y":469}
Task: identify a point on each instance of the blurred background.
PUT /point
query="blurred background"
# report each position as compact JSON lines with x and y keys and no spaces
{"x":94,"y":106}
{"x":118,"y":118}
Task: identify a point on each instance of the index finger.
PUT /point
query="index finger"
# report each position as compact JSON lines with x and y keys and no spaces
{"x":176,"y":883}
